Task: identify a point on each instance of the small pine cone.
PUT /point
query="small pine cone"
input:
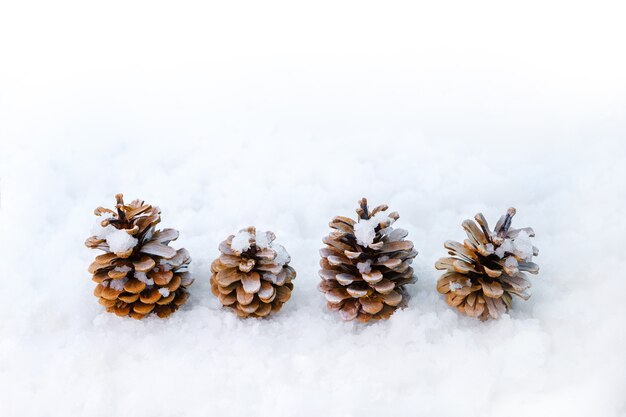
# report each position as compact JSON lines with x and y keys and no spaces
{"x":139,"y":273}
{"x":488,"y":268}
{"x":366,"y":265}
{"x":252,"y":274}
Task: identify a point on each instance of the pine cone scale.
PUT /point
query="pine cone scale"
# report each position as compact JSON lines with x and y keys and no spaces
{"x":491,"y":289}
{"x":475,"y":309}
{"x":349,"y":310}
{"x":385,"y":286}
{"x":370,"y":305}
{"x":227,"y":299}
{"x":134,"y":286}
{"x":128,"y":298}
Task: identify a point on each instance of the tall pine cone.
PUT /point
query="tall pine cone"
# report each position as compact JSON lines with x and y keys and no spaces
{"x":366,"y":264}
{"x":252,"y":274}
{"x":139,"y":273}
{"x":487,"y":268}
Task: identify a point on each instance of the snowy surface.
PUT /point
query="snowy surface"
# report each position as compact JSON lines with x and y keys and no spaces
{"x":282,"y":117}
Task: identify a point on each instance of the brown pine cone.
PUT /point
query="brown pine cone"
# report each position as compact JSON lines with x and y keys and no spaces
{"x":488,"y":268}
{"x":366,"y":265}
{"x":252,"y":274}
{"x":139,"y":273}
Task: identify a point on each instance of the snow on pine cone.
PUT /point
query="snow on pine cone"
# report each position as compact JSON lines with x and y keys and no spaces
{"x":488,"y":268}
{"x":139,"y":273}
{"x":366,"y":265}
{"x":252,"y":274}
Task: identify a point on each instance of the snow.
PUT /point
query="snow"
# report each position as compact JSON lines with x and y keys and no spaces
{"x":117,"y":239}
{"x":511,"y":262}
{"x":241,"y":242}
{"x":261,"y":240}
{"x":455,"y":286}
{"x":99,"y":231}
{"x":504,"y":248}
{"x":283,"y":116}
{"x":141,"y":276}
{"x":365,"y":267}
{"x":282,"y":257}
{"x":118,"y":284}
{"x":364,"y":229}
{"x":120,"y":241}
{"x":164,"y":292}
{"x":521,"y":246}
{"x":364,"y":232}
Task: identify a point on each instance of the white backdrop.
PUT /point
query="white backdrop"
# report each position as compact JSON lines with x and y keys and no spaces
{"x":282,"y":115}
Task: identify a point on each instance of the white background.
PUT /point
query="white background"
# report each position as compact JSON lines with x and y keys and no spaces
{"x":282,"y":115}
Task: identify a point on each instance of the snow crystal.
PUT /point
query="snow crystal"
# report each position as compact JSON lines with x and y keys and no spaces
{"x":365,"y":267}
{"x":120,"y":241}
{"x":511,"y":262}
{"x":118,"y":284}
{"x":165,"y":264}
{"x":101,"y":232}
{"x":521,"y":246}
{"x":123,"y":268}
{"x":282,"y":257}
{"x":164,"y":292}
{"x":455,"y":286}
{"x":117,"y":239}
{"x":141,"y":276}
{"x":262,"y":241}
{"x":241,"y":242}
{"x":505,"y":247}
{"x":365,"y":231}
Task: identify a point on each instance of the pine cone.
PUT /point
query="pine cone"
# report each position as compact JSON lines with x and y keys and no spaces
{"x":139,"y":273}
{"x":366,"y":265}
{"x":486,"y":269}
{"x":252,"y":274}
